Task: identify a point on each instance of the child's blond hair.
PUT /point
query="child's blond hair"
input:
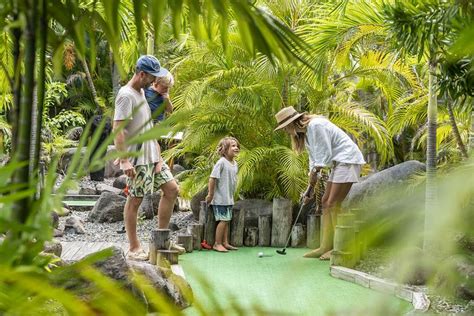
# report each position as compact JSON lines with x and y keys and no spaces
{"x":224,"y":145}
{"x":167,"y":80}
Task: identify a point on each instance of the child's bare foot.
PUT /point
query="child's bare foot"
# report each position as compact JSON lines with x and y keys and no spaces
{"x":326,"y":255}
{"x":219,"y":247}
{"x":230,"y":247}
{"x":316,"y":253}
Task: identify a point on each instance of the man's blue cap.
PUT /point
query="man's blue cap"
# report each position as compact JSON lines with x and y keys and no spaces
{"x":151,"y":65}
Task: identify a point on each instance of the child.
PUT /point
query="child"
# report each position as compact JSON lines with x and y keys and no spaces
{"x":222,"y":183}
{"x":157,"y":96}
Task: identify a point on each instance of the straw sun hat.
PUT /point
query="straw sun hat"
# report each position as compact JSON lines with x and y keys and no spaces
{"x":286,"y":115}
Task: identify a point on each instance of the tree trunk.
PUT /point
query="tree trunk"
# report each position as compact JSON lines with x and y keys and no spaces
{"x":313,"y":225}
{"x":187,"y":242}
{"x":21,"y":176}
{"x":115,"y":75}
{"x":91,"y":85}
{"x":264,"y":230}
{"x":431,"y":186}
{"x":281,"y":221}
{"x":37,"y":114}
{"x":196,"y":231}
{"x":237,"y":227}
{"x":298,"y":236}
{"x":455,"y":129}
{"x":251,"y":236}
{"x":471,"y":134}
{"x":14,"y":113}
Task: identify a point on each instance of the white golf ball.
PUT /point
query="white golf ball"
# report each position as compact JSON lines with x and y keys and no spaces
{"x":260,"y":254}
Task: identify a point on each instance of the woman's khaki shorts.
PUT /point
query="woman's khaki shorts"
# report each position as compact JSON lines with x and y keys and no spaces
{"x":147,"y":181}
{"x":345,"y":173}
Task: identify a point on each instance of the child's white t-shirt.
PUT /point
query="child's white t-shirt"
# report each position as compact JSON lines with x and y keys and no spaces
{"x":225,"y":173}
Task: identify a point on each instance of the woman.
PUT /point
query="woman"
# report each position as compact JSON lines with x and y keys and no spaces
{"x":328,"y":146}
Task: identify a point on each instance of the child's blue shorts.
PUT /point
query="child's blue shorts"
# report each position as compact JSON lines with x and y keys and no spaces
{"x":222,"y":212}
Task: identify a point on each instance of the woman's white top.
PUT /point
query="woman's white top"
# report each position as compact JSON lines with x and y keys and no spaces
{"x":326,"y":143}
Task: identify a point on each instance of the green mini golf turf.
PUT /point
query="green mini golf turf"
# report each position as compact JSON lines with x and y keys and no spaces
{"x":276,"y":284}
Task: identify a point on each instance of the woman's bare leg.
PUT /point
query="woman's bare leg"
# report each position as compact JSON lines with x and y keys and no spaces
{"x":337,"y":194}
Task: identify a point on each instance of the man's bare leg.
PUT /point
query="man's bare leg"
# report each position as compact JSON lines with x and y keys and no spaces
{"x":170,"y":192}
{"x":130,"y":220}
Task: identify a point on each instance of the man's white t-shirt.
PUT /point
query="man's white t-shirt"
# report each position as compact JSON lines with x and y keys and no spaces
{"x":132,"y":106}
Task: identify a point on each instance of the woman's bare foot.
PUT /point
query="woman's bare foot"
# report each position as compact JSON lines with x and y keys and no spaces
{"x":316,"y":253}
{"x":219,"y":247}
{"x":230,"y":247}
{"x":326,"y":255}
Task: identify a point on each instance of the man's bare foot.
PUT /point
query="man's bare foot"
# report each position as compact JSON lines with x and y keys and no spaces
{"x":219,"y":247}
{"x":326,"y":255}
{"x":230,"y":247}
{"x":316,"y":253}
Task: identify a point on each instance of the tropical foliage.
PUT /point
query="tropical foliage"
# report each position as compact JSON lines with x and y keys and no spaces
{"x":370,"y":66}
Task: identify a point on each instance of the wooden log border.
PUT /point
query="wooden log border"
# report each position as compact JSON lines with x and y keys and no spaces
{"x":401,"y":291}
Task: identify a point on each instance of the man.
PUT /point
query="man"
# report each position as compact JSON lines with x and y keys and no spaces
{"x":146,"y":172}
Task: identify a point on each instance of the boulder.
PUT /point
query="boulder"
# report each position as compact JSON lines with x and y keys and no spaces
{"x":53,"y":247}
{"x":74,"y":133}
{"x":120,"y":182}
{"x":74,"y":224}
{"x":164,"y":281}
{"x":88,"y":189}
{"x":102,"y":187}
{"x":177,"y":169}
{"x":66,"y":158}
{"x":112,"y":170}
{"x":149,"y":206}
{"x":381,"y":181}
{"x":108,"y":208}
{"x":456,"y":277}
{"x":54,"y":219}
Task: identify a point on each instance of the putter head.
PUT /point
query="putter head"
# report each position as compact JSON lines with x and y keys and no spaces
{"x":281,"y":252}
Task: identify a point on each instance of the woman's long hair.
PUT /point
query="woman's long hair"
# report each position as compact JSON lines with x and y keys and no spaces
{"x":297,"y":142}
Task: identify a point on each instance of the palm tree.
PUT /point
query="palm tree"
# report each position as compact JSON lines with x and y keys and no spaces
{"x":425,"y":28}
{"x":261,"y":32}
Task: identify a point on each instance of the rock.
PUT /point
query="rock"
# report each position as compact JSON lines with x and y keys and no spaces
{"x":63,"y":211}
{"x":102,"y":187}
{"x":87,"y":190}
{"x":253,"y":209}
{"x":53,"y":247}
{"x":382,"y":180}
{"x":74,"y":224}
{"x":74,"y":133}
{"x":120,"y":182}
{"x":115,"y":266}
{"x":456,"y":277}
{"x":177,"y":169}
{"x":196,"y":202}
{"x":66,"y":158}
{"x":108,"y":208}
{"x":58,"y":233}
{"x":54,"y":219}
{"x":413,"y":266}
{"x":112,"y":170}
{"x":172,"y":285}
{"x":147,"y":208}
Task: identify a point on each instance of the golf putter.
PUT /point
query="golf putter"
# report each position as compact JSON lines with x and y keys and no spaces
{"x":306,"y":194}
{"x":283,"y":251}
